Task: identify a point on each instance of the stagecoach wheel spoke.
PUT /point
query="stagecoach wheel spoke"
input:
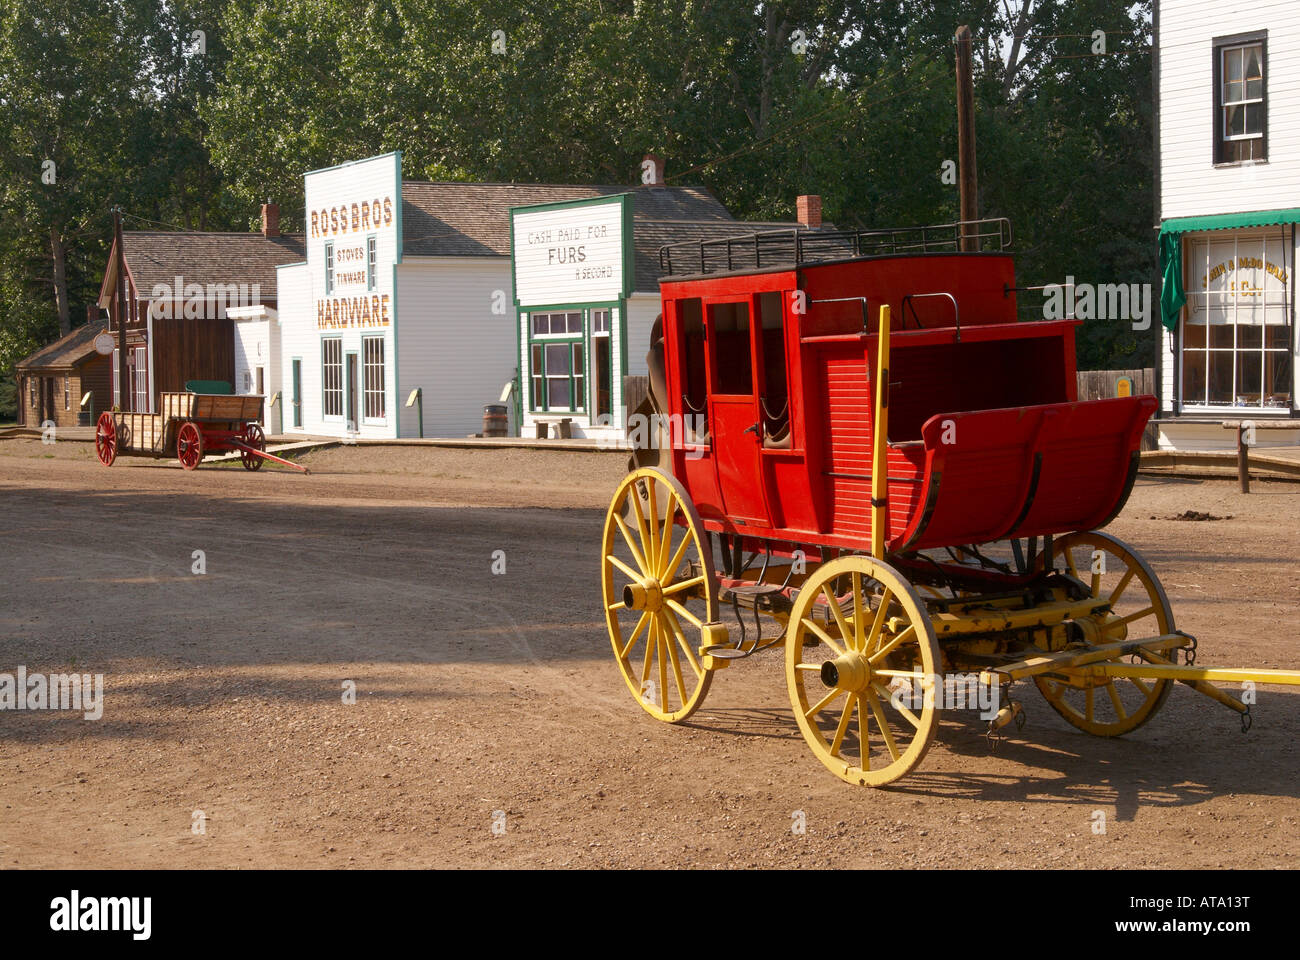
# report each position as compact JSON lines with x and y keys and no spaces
{"x":648,"y":612}
{"x":850,"y":661}
{"x":1139,"y":609}
{"x":106,"y":439}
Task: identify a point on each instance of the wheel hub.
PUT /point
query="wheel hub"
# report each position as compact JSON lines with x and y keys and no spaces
{"x":644,"y":594}
{"x":848,"y":672}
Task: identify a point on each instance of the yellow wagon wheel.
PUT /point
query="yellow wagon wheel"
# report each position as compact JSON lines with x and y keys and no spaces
{"x":659,"y":589}
{"x":1115,"y":574}
{"x":870,"y":652}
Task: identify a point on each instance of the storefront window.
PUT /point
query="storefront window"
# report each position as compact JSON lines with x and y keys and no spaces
{"x":1236,"y":343}
{"x":373,"y":348}
{"x":332,"y":376}
{"x":557,"y":363}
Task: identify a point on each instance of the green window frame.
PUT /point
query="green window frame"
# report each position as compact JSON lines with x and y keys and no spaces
{"x":557,"y":361}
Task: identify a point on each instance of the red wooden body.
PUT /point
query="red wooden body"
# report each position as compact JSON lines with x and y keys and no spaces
{"x":987,"y":439}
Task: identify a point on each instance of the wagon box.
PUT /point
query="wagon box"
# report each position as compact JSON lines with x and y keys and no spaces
{"x":896,"y":470}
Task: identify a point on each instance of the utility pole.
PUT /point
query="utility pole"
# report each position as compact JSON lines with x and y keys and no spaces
{"x":117,"y":312}
{"x":966,"y":139}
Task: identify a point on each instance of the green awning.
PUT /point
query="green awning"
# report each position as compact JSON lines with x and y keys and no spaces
{"x":1172,"y":295}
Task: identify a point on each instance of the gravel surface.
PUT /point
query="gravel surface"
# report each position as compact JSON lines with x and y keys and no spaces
{"x":490,"y":726}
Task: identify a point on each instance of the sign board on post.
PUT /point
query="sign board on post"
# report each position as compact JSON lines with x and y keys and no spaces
{"x":104,"y":344}
{"x":577,"y":251}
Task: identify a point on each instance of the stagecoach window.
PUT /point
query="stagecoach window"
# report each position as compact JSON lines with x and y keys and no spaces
{"x":732,"y":352}
{"x":373,"y":351}
{"x":774,"y":390}
{"x":332,"y":376}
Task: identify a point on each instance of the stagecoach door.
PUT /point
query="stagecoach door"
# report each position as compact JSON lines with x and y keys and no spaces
{"x":734,"y":417}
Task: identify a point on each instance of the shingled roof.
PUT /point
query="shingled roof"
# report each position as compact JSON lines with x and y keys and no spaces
{"x":160,"y":256}
{"x":66,"y":352}
{"x":473,"y":219}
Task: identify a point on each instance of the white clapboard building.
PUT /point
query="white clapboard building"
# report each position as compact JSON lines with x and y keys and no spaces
{"x":410,"y":285}
{"x":1228,"y":76}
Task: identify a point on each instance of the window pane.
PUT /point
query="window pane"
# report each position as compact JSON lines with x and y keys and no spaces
{"x":577,"y":359}
{"x":1232,"y":64}
{"x":1221,"y":370}
{"x":1194,"y":336}
{"x":1254,"y":117}
{"x":557,"y":359}
{"x":1250,"y":372}
{"x":557,"y":391}
{"x":1250,"y":335}
{"x":1253,"y":63}
{"x":1233,"y":93}
{"x":1194,"y":376}
{"x":1254,"y":89}
{"x":575,"y":323}
{"x":1275,"y":335}
{"x":1221,"y":336}
{"x":541,"y":323}
{"x":1277,"y":382}
{"x":1235,"y":121}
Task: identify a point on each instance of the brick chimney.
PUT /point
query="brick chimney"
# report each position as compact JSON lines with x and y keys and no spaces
{"x":656,"y":167}
{"x":270,"y":219}
{"x":808,"y":209}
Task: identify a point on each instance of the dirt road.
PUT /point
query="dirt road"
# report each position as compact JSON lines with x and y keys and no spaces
{"x":489,"y":700}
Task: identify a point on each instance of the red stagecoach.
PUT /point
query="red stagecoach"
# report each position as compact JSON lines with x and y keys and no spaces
{"x":860,"y":441}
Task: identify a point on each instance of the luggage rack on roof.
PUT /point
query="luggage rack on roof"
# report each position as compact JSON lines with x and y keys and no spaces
{"x":776,"y":248}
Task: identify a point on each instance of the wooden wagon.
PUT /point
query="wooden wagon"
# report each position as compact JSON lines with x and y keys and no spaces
{"x":857,"y":438}
{"x":190,"y":426}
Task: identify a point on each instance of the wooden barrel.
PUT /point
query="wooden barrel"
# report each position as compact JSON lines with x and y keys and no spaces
{"x":496,"y":421}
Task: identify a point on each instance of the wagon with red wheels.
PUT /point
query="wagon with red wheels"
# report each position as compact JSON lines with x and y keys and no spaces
{"x":859,"y":441}
{"x":190,"y":427}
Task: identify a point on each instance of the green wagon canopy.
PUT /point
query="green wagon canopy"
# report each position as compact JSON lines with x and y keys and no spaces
{"x":1172,"y":295}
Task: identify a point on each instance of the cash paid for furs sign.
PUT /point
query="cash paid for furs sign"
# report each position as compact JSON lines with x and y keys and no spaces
{"x":353,"y":226}
{"x":577,"y":251}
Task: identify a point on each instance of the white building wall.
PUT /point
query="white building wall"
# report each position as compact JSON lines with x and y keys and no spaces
{"x":298,"y":339}
{"x":1191,"y":184}
{"x":451,"y":342}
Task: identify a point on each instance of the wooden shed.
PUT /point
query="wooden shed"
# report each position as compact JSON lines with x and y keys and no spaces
{"x":54,"y":379}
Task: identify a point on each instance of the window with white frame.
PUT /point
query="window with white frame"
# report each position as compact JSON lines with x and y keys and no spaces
{"x":117,"y":385}
{"x":140,"y":377}
{"x":1241,"y":114}
{"x":372,"y":349}
{"x":331,"y":352}
{"x":67,"y":393}
{"x":372,"y":261}
{"x":1237,"y":331}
